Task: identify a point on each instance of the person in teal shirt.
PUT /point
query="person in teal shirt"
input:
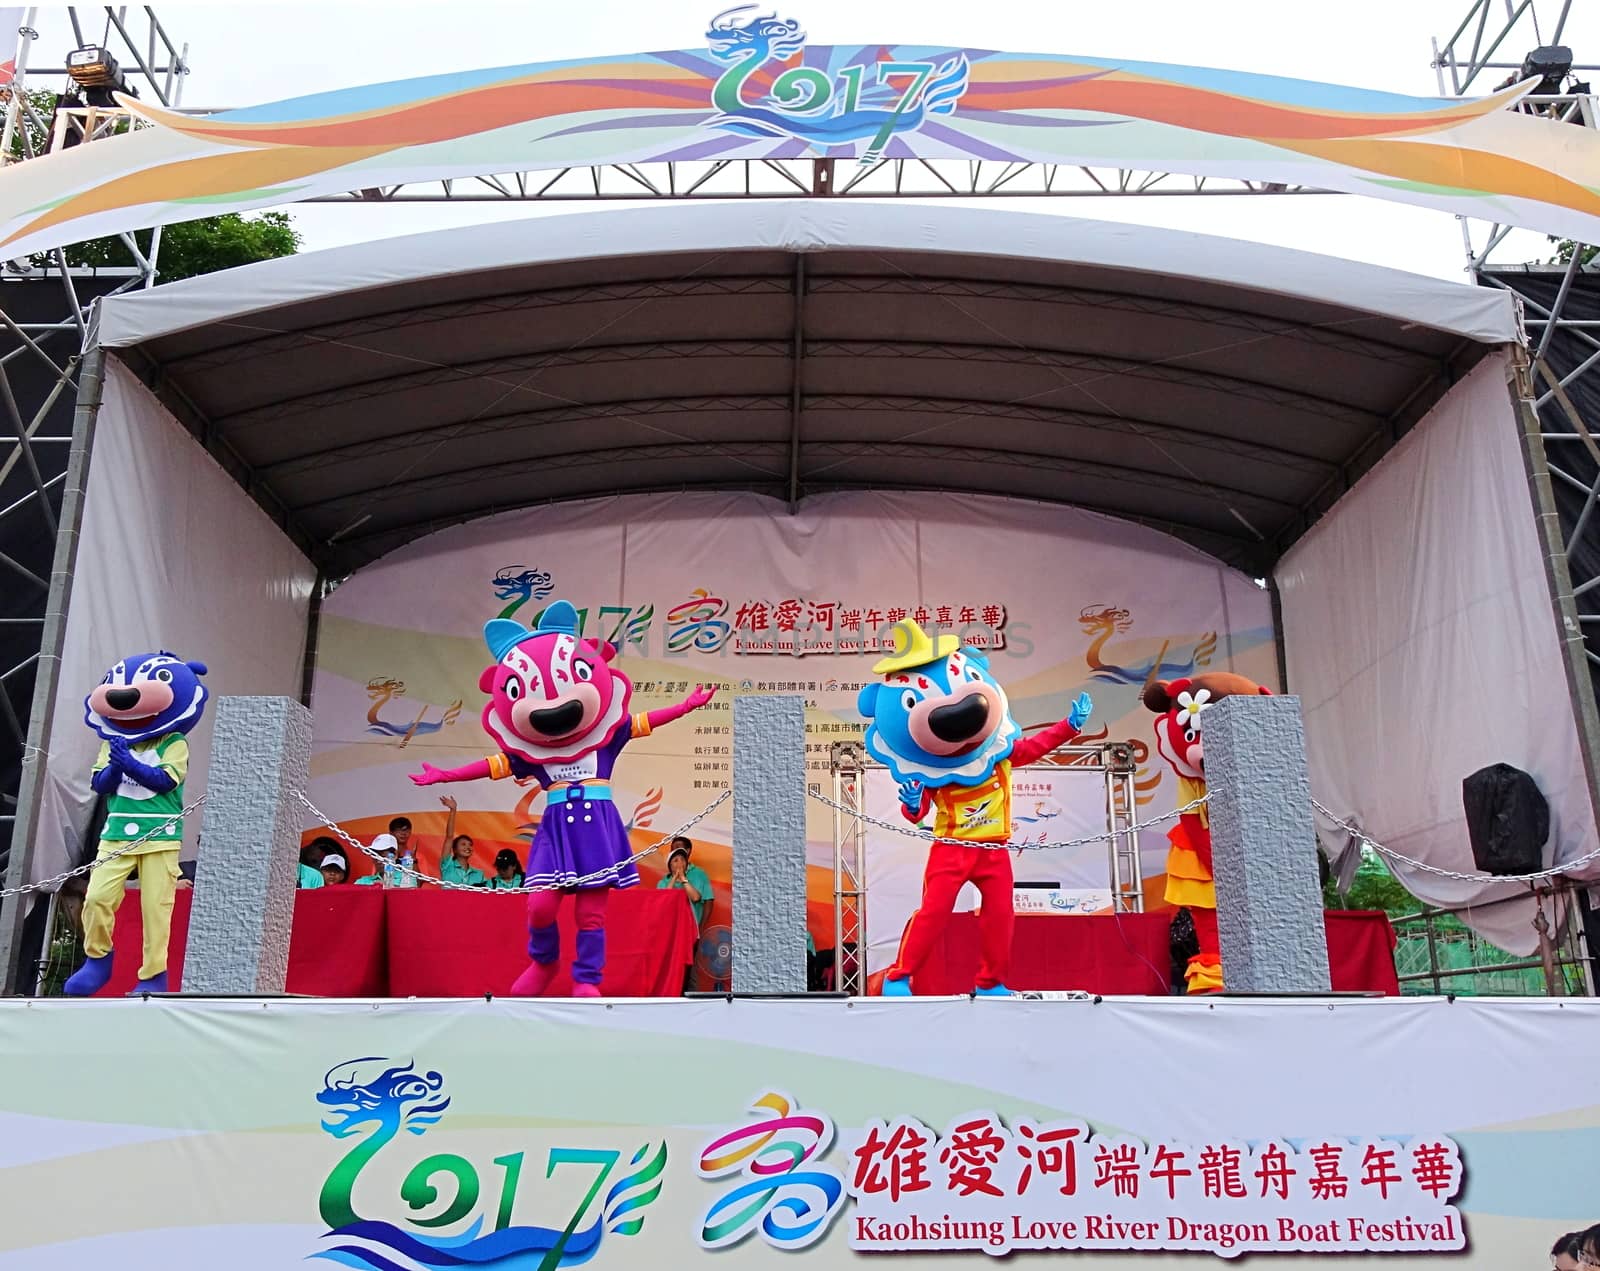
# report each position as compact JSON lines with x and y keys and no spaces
{"x":310,"y":877}
{"x":507,"y":871}
{"x":453,"y":860}
{"x":690,"y":878}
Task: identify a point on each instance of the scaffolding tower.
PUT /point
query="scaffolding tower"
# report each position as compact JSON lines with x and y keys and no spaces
{"x":45,"y":305}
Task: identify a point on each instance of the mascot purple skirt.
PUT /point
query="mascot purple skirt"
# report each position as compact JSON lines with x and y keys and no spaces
{"x":558,"y":711}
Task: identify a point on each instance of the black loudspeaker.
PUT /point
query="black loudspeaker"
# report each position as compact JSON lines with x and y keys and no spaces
{"x":1508,"y":820}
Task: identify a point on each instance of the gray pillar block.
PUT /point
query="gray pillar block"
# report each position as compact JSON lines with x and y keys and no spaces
{"x":249,"y":847}
{"x":769,"y":845}
{"x":1264,"y":848}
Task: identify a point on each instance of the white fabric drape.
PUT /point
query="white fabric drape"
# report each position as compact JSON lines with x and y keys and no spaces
{"x":174,"y":555}
{"x":1420,"y":638}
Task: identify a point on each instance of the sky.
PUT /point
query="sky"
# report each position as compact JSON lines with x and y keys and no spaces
{"x":246,"y":53}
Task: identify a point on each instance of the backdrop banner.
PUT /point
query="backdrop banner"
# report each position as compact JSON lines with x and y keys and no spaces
{"x":754,"y":89}
{"x":731,"y":590}
{"x":781,"y":1133}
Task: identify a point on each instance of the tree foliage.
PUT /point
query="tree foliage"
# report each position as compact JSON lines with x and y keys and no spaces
{"x":199,"y":247}
{"x":1373,"y":887}
{"x":188,"y":248}
{"x":1565,"y":247}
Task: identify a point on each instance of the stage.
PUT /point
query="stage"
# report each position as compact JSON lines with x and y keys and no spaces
{"x":375,"y":942}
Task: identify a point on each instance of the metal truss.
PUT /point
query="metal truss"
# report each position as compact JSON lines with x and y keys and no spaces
{"x":45,"y":308}
{"x":1560,"y":299}
{"x":849,"y":763}
{"x":813,"y":178}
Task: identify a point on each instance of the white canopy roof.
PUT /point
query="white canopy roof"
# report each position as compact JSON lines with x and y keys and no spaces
{"x":810,"y":226}
{"x":1222,"y":391}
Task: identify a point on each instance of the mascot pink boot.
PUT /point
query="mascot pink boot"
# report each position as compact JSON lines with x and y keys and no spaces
{"x":558,"y":711}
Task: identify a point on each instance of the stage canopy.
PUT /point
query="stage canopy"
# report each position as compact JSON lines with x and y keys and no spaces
{"x":1225,"y":392}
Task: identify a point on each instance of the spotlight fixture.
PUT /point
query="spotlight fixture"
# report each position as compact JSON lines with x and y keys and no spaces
{"x":1550,"y":63}
{"x":94,"y":70}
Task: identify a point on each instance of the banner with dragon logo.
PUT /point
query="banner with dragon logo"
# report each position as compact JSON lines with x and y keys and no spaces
{"x":518,"y":1135}
{"x":755,"y":88}
{"x":729,"y":589}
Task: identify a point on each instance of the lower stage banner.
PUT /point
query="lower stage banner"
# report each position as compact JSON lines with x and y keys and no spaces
{"x":263,"y":1133}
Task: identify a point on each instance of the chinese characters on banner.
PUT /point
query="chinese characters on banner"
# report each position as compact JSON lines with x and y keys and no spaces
{"x":996,"y":1185}
{"x":794,"y":626}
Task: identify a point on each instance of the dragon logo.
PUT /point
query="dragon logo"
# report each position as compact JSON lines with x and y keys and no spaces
{"x":382,"y":689}
{"x":863,"y":101}
{"x":1103,"y":622}
{"x":378,"y":1100}
{"x":520,"y":585}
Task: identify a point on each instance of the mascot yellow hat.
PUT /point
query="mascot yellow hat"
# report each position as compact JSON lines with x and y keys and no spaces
{"x":913,"y":648}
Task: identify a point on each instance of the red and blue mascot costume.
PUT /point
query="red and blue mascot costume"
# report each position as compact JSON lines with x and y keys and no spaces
{"x":558,"y":710}
{"x":942,"y":726}
{"x":142,"y":711}
{"x":1179,"y":706}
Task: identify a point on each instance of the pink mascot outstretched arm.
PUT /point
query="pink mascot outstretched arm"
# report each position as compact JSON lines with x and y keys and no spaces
{"x":558,"y":711}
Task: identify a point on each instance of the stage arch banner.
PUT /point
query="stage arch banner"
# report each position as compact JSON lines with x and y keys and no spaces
{"x":752,"y":87}
{"x":731,"y":590}
{"x":518,"y":1135}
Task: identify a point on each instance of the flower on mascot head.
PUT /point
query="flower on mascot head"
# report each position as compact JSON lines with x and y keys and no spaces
{"x":1190,"y":705}
{"x":553,"y":695}
{"x":1179,"y":706}
{"x":145,"y":696}
{"x":939,"y":716}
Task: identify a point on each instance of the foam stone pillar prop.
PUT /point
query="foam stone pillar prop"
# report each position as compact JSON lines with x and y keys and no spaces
{"x":250,"y":847}
{"x":1264,"y":848}
{"x":769,"y":845}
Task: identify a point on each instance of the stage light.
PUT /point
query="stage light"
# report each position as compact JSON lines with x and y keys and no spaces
{"x":94,"y":67}
{"x":1552,"y":63}
{"x":95,"y":71}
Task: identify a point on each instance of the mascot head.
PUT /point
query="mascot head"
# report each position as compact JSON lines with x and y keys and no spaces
{"x":1179,"y":705}
{"x":147,"y":695}
{"x":938,"y":717}
{"x":553,"y":695}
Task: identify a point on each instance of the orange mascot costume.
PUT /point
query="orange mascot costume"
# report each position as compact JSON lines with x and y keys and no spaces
{"x":1179,"y":706}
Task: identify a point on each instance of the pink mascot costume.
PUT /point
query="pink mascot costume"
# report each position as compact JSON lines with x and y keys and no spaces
{"x":559,"y":712}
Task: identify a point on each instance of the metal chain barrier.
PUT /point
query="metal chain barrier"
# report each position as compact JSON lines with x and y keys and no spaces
{"x":1006,"y":845}
{"x":49,"y":884}
{"x":599,"y":876}
{"x":1389,"y":854}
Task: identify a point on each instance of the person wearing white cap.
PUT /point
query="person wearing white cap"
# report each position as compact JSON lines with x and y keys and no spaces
{"x":334,"y":870}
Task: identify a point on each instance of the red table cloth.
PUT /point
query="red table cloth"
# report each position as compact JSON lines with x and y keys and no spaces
{"x":449,"y":944}
{"x":373,"y":942}
{"x":336,"y":947}
{"x":1130,"y":954}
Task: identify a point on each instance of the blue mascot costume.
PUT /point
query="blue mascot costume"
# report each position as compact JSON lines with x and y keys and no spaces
{"x":941,"y":724}
{"x":141,"y":711}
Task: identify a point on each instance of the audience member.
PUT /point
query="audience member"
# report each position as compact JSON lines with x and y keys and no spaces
{"x":1588,"y":1251}
{"x":1564,"y":1253}
{"x":334,"y":870}
{"x":683,"y":873}
{"x":457,"y":852}
{"x":311,"y":859}
{"x":387,"y":847}
{"x":507,"y":870}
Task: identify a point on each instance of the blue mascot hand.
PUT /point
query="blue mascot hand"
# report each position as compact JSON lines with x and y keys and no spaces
{"x":911,"y":796}
{"x":157,"y":779}
{"x":1079,"y":714}
{"x":106,"y":780}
